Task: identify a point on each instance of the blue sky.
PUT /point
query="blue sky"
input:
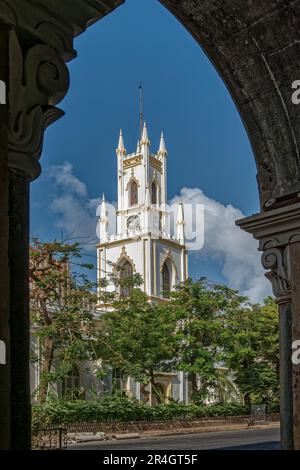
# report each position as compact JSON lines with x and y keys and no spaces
{"x":183,"y":95}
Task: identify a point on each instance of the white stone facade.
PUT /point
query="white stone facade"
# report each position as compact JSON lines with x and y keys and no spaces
{"x":142,"y":235}
{"x":142,"y":238}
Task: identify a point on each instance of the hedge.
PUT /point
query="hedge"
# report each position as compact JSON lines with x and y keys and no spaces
{"x":123,"y":409}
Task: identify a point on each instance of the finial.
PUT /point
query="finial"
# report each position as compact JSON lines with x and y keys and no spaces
{"x":180,"y":223}
{"x":103,"y":207}
{"x":121,"y":147}
{"x":145,"y":139}
{"x":162,"y":146}
{"x":103,"y":221}
{"x":141,"y":109}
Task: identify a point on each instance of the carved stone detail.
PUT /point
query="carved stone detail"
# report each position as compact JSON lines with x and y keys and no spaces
{"x":276,"y":260}
{"x":41,"y":41}
{"x":276,"y":231}
{"x":39,"y":80}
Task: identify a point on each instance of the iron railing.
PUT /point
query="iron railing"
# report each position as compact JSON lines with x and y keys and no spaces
{"x":51,"y":438}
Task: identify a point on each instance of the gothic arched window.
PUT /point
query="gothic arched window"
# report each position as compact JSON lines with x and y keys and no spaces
{"x":154,"y":193}
{"x":133,"y":194}
{"x":166,"y":280}
{"x":126,"y":272}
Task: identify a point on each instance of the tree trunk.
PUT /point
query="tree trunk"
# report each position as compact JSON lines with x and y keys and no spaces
{"x":46,"y":368}
{"x":247,"y":399}
{"x":156,"y":391}
{"x":194,"y":383}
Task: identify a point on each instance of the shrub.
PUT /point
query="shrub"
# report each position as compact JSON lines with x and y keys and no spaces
{"x":119,"y":408}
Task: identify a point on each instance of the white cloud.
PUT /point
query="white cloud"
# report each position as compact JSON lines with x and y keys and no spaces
{"x":234,"y":250}
{"x":65,"y":179}
{"x":76,"y":213}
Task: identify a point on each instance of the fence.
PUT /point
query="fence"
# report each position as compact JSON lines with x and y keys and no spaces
{"x":51,"y":438}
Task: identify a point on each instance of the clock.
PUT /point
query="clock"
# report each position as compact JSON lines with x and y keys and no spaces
{"x":133,"y":222}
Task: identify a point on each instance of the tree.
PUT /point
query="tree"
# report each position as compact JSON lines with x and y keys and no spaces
{"x":138,"y":337}
{"x":201,"y":309}
{"x":250,"y":344}
{"x":61,"y":309}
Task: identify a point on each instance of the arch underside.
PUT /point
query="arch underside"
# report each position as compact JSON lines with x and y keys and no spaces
{"x":254,"y":45}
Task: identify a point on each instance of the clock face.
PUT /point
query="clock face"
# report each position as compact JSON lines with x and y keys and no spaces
{"x":133,"y":222}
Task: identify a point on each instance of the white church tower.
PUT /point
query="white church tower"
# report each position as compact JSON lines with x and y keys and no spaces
{"x":141,"y":242}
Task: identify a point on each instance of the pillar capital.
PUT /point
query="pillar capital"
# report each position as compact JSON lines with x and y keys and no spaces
{"x":41,"y":42}
{"x":276,"y":230}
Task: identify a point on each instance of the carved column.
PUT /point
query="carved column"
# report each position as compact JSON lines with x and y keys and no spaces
{"x":38,"y":80}
{"x":37,"y":41}
{"x":4,"y":229}
{"x":278,"y":232}
{"x":277,"y":261}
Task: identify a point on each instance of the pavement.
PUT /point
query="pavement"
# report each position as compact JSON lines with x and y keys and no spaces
{"x":254,"y":438}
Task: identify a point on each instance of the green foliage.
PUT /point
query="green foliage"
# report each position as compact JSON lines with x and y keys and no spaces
{"x":138,"y":337}
{"x":250,"y":344}
{"x":207,"y":330}
{"x":61,"y":310}
{"x":120,"y":408}
{"x":201,"y":309}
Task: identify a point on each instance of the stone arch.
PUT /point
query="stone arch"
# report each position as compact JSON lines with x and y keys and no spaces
{"x":157,"y":189}
{"x":132,"y":189}
{"x":154,"y":192}
{"x":168,"y":263}
{"x":123,"y":258}
{"x":124,"y":268}
{"x":254,"y":46}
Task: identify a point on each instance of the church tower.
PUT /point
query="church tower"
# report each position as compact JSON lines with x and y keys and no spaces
{"x":142,"y":241}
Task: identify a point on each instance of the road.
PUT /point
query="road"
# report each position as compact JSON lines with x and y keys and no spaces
{"x":244,"y":439}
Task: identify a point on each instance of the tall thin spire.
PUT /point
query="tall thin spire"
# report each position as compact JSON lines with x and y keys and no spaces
{"x":103,"y":221}
{"x":180,"y":223}
{"x":141,"y":109}
{"x":145,"y":139}
{"x":121,"y":147}
{"x":162,"y":146}
{"x":103,"y":207}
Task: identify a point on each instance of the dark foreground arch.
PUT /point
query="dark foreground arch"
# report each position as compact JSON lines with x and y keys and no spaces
{"x":255,"y":47}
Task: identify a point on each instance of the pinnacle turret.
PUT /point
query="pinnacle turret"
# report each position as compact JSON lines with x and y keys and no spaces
{"x":121,"y":147}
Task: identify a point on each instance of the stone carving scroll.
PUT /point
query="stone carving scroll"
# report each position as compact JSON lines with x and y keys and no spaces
{"x":276,"y":260}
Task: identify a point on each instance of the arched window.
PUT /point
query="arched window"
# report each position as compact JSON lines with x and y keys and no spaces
{"x":126,"y":272}
{"x":166,"y":284}
{"x":133,"y":193}
{"x":154,"y":193}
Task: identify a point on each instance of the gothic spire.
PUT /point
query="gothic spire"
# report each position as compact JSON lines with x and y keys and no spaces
{"x":162,"y":146}
{"x":121,"y":147}
{"x":103,"y":207}
{"x":180,"y":224}
{"x":103,"y":221}
{"x":145,"y":139}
